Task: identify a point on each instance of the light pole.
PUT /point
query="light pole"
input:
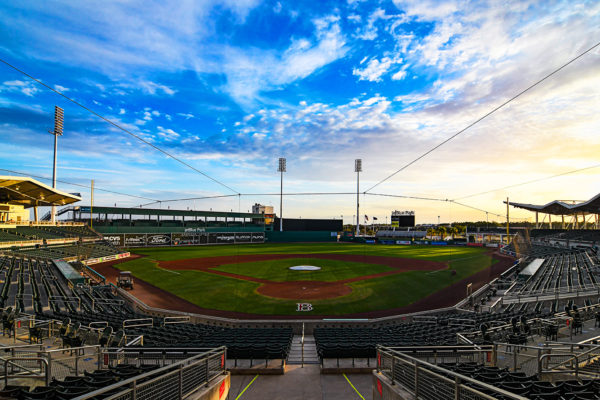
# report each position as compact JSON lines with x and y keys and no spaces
{"x":358,"y":170}
{"x":58,"y":131}
{"x":281,"y":169}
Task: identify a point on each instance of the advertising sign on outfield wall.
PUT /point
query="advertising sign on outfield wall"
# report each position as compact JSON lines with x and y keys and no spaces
{"x":163,"y":239}
{"x":115,"y":240}
{"x":135,"y":240}
{"x":402,"y":241}
{"x":182,"y":239}
{"x":245,"y":237}
{"x":258,"y":237}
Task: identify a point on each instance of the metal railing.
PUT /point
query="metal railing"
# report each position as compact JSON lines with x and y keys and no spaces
{"x":428,"y":381}
{"x":179,"y":380}
{"x":132,"y":323}
{"x":36,"y":363}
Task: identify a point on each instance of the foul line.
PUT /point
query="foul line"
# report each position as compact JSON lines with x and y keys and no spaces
{"x":361,"y":396}
{"x":252,"y":381}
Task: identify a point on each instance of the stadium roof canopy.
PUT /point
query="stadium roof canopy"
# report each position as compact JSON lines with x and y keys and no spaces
{"x":557,"y":207}
{"x":28,"y":192}
{"x":163,"y":212}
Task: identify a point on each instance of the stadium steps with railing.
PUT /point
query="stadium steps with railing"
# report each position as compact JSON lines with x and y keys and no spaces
{"x":310,"y":351}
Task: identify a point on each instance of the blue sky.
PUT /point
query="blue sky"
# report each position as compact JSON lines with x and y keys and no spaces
{"x":230,"y":86}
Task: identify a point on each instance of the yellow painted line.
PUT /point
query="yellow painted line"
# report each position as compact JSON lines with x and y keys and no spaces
{"x":352,"y":387}
{"x":251,"y":382}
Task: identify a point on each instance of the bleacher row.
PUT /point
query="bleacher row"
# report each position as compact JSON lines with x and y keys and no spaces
{"x":438,"y":330}
{"x":527,"y":386}
{"x":73,"y":386}
{"x":84,"y":250}
{"x":572,"y":270}
{"x":587,"y":235}
{"x":30,"y":285}
{"x":40,"y":232}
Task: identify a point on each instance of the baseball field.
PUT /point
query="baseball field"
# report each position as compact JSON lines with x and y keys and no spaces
{"x":356,"y":280}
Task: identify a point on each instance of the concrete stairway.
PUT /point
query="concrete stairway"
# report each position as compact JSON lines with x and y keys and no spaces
{"x":310,"y":351}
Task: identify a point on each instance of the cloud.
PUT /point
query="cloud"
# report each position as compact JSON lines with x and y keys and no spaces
{"x":186,"y":115}
{"x":167,"y":133}
{"x":251,"y":71}
{"x":375,"y":69}
{"x":156,"y":88}
{"x":27,"y":88}
{"x":61,"y":88}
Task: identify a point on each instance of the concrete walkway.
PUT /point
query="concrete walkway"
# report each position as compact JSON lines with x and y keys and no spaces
{"x":301,"y":384}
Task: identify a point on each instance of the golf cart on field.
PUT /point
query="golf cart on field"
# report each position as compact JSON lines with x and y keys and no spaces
{"x":125,"y":280}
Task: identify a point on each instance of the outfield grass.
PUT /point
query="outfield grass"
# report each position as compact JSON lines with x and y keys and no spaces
{"x":230,"y":294}
{"x":279,"y":270}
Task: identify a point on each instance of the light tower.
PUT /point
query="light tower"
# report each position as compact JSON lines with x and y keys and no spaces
{"x":281,"y":169}
{"x":358,"y":170}
{"x":58,"y":131}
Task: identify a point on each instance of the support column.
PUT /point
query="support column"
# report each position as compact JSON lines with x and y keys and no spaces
{"x":563,"y":222}
{"x":550,"y":220}
{"x":537,"y":226}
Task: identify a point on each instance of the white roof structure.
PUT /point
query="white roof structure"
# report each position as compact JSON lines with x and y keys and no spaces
{"x":558,"y":207}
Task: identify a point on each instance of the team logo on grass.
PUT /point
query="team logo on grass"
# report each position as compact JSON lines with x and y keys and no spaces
{"x":304,"y":307}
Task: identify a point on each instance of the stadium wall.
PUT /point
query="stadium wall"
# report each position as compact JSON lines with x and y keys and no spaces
{"x":182,"y":238}
{"x":300,"y":236}
{"x":172,"y":229}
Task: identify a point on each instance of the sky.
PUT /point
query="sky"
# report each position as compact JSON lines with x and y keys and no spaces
{"x":230,"y":86}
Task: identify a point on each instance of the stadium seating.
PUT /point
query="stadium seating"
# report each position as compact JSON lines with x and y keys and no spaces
{"x":73,"y":386}
{"x":527,"y":386}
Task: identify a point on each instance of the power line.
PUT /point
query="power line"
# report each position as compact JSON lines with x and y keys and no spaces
{"x":192,"y":198}
{"x":118,"y":126}
{"x":404,"y":197}
{"x":528,"y":182}
{"x":475,"y":208}
{"x":77,"y":184}
{"x":485,"y":116}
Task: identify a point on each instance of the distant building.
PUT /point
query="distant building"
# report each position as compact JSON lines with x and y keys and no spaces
{"x":268,"y":211}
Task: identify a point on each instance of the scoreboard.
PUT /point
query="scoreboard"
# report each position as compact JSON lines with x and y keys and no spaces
{"x":403,"y":219}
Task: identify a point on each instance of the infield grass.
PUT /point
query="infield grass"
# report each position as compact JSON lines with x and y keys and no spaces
{"x":279,"y":270}
{"x":224,"y":293}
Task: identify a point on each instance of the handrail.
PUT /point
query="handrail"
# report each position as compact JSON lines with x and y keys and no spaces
{"x":127,"y":325}
{"x":416,"y":362}
{"x":100,"y":324}
{"x":302,"y":345}
{"x":138,"y":340}
{"x":41,"y":359}
{"x":157,"y":372}
{"x":176,"y":320}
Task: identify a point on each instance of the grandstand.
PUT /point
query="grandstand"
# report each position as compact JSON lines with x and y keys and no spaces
{"x":49,"y":294}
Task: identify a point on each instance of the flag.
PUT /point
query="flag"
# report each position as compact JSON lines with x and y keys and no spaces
{"x":366,"y":217}
{"x":374,"y":218}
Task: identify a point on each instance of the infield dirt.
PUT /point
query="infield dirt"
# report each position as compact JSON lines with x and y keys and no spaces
{"x":449,"y":296}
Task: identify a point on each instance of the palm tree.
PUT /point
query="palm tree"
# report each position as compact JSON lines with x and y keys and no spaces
{"x":442,"y":232}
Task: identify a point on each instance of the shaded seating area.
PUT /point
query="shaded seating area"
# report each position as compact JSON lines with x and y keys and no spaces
{"x":74,"y":386}
{"x":528,"y":386}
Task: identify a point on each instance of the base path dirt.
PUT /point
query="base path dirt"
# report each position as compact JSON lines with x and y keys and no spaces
{"x":303,"y":290}
{"x":447,"y":297}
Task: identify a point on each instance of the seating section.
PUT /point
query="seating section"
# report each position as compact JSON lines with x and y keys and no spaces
{"x":73,"y":386}
{"x":527,"y":386}
{"x":85,"y":250}
{"x":587,"y":235}
{"x":32,"y":286}
{"x":441,"y":331}
{"x":568,"y":271}
{"x":41,"y":232}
